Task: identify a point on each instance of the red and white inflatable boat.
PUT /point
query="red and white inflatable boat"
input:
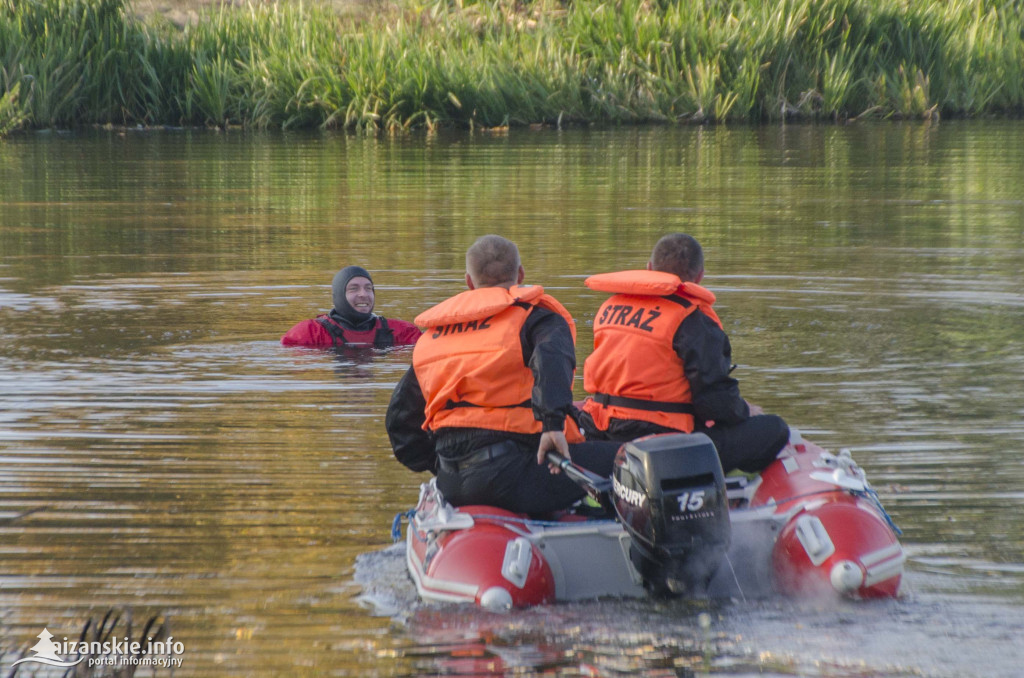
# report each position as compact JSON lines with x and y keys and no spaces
{"x":810,"y":523}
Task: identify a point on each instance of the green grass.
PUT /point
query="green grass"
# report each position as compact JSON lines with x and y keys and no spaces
{"x":12,"y":115}
{"x":459,"y":63}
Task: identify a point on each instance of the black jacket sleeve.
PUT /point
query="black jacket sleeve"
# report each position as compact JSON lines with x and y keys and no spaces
{"x":707,"y":358}
{"x":406,"y":413}
{"x":550,"y":353}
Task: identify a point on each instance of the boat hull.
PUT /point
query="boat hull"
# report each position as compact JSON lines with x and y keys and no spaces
{"x":836,"y":536}
{"x":809,"y":524}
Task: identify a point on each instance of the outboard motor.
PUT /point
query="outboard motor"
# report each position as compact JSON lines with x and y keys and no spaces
{"x":669,"y":494}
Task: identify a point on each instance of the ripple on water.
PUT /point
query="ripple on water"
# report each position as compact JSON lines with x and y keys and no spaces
{"x":784,"y":637}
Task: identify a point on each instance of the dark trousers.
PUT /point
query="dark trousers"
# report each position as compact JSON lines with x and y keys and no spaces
{"x":748,"y":446}
{"x":516,"y":482}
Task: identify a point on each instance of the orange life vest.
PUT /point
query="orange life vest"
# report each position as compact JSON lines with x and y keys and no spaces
{"x":634,"y":373}
{"x":469,"y":361}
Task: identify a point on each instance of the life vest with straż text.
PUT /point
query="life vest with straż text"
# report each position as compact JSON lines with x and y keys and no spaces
{"x":634,"y":372}
{"x":469,"y":361}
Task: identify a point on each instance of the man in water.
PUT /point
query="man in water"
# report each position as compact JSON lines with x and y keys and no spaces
{"x":352,"y":322}
{"x":662,"y":362}
{"x":489,"y":392}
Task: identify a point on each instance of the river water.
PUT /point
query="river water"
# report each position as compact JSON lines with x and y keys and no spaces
{"x":163,"y":456}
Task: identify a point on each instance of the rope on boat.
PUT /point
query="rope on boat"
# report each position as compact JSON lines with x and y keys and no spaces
{"x":396,"y":524}
{"x":870,"y":494}
{"x":867,"y":493}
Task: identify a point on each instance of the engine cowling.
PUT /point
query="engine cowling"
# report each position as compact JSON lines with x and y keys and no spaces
{"x":669,"y":494}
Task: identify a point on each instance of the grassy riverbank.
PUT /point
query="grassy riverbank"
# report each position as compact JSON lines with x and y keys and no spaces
{"x":72,"y":62}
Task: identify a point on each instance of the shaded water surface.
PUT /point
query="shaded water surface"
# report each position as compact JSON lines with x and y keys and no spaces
{"x":162,"y":454}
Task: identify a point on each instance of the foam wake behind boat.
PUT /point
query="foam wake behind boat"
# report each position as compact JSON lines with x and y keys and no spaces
{"x":810,"y":523}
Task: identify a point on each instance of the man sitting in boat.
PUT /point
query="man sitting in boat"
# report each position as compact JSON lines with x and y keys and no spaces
{"x":662,"y":362}
{"x":490,"y":390}
{"x":352,"y":322}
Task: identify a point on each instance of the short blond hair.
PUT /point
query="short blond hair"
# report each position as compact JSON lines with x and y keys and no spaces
{"x":492,"y":261}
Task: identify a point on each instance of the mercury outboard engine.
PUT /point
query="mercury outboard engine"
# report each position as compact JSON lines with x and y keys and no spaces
{"x":669,"y":494}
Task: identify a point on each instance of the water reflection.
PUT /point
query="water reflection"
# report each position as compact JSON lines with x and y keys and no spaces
{"x":160,"y":451}
{"x":667,"y":638}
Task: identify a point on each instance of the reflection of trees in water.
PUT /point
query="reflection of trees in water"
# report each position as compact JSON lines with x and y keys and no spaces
{"x":751,"y":195}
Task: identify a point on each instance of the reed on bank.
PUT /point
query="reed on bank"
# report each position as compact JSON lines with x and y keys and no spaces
{"x":499,"y":62}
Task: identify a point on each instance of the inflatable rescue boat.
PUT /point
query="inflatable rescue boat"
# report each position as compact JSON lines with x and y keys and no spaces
{"x":809,"y":523}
